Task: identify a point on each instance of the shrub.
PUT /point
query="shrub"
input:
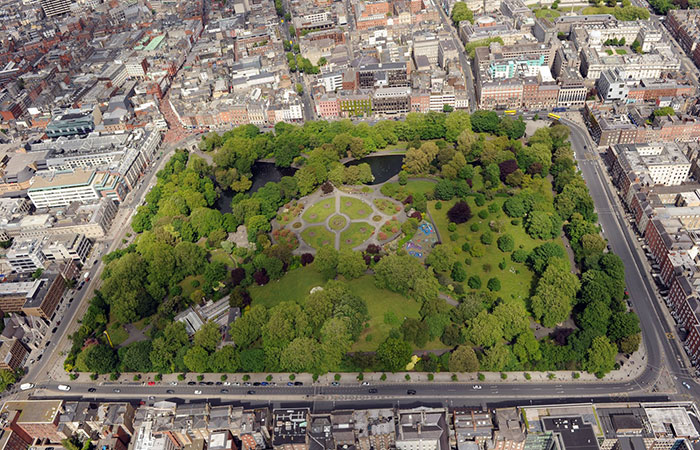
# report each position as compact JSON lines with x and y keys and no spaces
{"x":494,"y":284}
{"x":528,"y":376}
{"x":483,"y":214}
{"x":515,"y":222}
{"x":431,"y":377}
{"x":438,"y":205}
{"x":114,"y":376}
{"x":551,"y":376}
{"x":327,"y":187}
{"x":519,"y":256}
{"x":407,"y":377}
{"x":403,"y":178}
{"x":200,"y":377}
{"x":481,"y":376}
{"x":479,"y":199}
{"x":459,"y":213}
{"x":454,"y":377}
{"x":466,"y":247}
{"x":468,"y":261}
{"x":454,"y":237}
{"x":504,"y":375}
{"x":474,"y":282}
{"x":487,"y":238}
{"x":237,"y":276}
{"x":458,"y":272}
{"x":158,"y":377}
{"x":223,"y":377}
{"x":383,"y":377}
{"x":451,"y":227}
{"x":268,"y":378}
{"x":181,"y":377}
{"x":502,"y":265}
{"x":261,"y":277}
{"x":360,"y":376}
{"x":474,"y":227}
{"x":576,"y":375}
{"x":246,"y":377}
{"x":506,"y":243}
{"x":416,"y":215}
{"x":336,"y":377}
{"x":306,"y":259}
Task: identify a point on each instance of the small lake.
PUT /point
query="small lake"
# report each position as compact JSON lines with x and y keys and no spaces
{"x":383,"y":166}
{"x":263,"y":172}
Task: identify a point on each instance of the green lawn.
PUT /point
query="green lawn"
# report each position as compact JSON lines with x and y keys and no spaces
{"x":354,"y":208}
{"x":318,"y":237}
{"x":293,"y":286}
{"x":547,"y":13}
{"x":289,"y":212}
{"x":187,"y":287}
{"x":380,"y":302}
{"x":387,"y":206}
{"x":117,"y":334}
{"x":220,"y":255}
{"x":608,"y":51}
{"x":337,"y":222}
{"x":516,"y":278}
{"x":320,"y":211}
{"x":621,"y":51}
{"x":355,"y":234}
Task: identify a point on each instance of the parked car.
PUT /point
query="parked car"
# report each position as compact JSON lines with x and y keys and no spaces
{"x":298,"y":383}
{"x":26,"y":386}
{"x":224,"y":391}
{"x":197,"y":392}
{"x":191,"y":383}
{"x":335,"y":383}
{"x":169,"y":391}
{"x":117,"y":390}
{"x":251,"y":392}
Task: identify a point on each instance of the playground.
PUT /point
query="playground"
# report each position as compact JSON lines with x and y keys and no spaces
{"x":421,"y":242}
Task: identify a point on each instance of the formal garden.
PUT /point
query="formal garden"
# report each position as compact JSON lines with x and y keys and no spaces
{"x":330,"y":277}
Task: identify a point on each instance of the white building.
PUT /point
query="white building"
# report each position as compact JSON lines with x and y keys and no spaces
{"x":63,"y":189}
{"x":25,"y":255}
{"x":70,"y":246}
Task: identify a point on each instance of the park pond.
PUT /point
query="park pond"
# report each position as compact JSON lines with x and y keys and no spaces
{"x":383,"y":166}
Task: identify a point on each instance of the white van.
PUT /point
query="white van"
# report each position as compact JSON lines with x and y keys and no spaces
{"x":63,"y":387}
{"x":26,"y":386}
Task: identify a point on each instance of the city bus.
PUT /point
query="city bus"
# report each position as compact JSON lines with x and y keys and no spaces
{"x":510,"y":112}
{"x":553,"y":116}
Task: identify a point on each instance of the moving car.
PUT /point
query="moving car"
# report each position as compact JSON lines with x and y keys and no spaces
{"x":411,"y":392}
{"x":251,"y":392}
{"x":224,"y":391}
{"x":26,"y":386}
{"x":92,"y":390}
{"x":117,"y":390}
{"x":169,"y":391}
{"x":476,"y":386}
{"x":373,"y":391}
{"x":63,"y":387}
{"x":198,"y":392}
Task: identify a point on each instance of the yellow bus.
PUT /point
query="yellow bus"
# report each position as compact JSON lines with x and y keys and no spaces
{"x":553,"y":116}
{"x":511,"y":112}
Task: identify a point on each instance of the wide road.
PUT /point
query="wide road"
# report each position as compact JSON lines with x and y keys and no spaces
{"x":435,"y":391}
{"x":659,"y":348}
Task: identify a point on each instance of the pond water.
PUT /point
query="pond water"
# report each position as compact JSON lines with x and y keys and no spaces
{"x":263,"y":172}
{"x":383,"y":166}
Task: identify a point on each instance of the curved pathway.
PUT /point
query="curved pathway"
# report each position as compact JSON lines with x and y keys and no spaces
{"x":338,"y":194}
